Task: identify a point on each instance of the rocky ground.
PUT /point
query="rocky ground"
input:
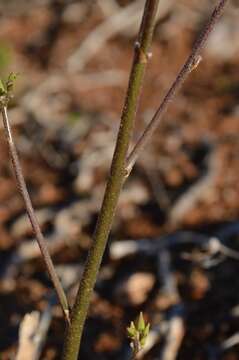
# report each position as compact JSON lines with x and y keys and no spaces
{"x":173,"y":248}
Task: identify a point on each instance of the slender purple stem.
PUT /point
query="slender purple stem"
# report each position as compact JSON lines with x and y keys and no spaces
{"x":32,"y":216}
{"x":190,"y":64}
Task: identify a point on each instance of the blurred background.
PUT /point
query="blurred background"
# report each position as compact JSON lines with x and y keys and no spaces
{"x":173,"y":247}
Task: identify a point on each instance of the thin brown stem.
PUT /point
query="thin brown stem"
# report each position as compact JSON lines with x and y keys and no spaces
{"x":114,"y":184}
{"x":190,"y":64}
{"x":32,"y":216}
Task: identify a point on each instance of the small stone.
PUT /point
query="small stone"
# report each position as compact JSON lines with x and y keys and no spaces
{"x":135,"y":289}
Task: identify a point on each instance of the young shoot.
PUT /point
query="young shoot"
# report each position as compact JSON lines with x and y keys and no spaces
{"x":137,"y":333}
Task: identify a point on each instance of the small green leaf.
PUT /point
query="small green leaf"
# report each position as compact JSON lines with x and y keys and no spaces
{"x":131,"y":330}
{"x":142,"y":342}
{"x":146,"y":330}
{"x":141,"y":323}
{"x":11,"y":81}
{"x":2,"y":88}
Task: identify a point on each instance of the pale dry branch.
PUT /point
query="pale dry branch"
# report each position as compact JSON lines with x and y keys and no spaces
{"x":28,"y":330}
{"x":174,"y":338}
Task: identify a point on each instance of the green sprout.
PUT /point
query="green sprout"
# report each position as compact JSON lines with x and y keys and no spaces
{"x":6,"y":88}
{"x":138,"y":332}
{"x":2,"y":88}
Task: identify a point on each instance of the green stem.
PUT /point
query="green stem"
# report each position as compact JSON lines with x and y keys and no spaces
{"x":114,"y":184}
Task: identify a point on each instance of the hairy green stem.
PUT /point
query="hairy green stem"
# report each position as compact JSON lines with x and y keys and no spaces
{"x":114,"y":184}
